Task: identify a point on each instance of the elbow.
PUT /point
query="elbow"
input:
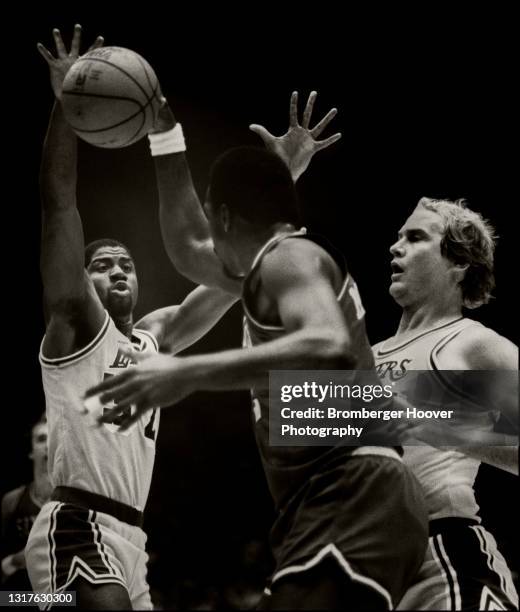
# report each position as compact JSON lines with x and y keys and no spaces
{"x":341,"y":354}
{"x":334,"y":350}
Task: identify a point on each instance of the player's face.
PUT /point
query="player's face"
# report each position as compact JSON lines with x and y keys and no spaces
{"x":39,"y":443}
{"x":419,"y":270}
{"x":112,"y":272}
{"x":222,"y":240}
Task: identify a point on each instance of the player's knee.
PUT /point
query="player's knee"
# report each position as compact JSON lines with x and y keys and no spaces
{"x":100,"y":596}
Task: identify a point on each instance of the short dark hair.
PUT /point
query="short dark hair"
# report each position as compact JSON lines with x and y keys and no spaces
{"x":255,"y":184}
{"x":93,"y":246}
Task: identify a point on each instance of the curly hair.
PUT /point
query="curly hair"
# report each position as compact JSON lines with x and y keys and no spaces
{"x":470,"y":240}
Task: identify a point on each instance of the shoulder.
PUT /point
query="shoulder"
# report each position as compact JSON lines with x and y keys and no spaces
{"x":378,"y":345}
{"x":481,"y":348}
{"x":295,"y":258}
{"x":11,"y":499}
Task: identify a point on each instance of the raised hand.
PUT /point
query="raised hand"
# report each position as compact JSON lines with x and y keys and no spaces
{"x":165,"y":120}
{"x":297,"y":146}
{"x":59,"y":65}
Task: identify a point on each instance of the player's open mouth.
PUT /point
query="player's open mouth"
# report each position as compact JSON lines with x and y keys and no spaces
{"x":396,"y":270}
{"x":120,"y":287}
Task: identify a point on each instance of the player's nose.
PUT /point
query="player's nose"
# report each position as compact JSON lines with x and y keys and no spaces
{"x":117,"y":273}
{"x":397,"y":249}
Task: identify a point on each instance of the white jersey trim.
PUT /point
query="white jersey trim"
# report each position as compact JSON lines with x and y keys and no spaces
{"x":380,"y":348}
{"x":149,"y":335}
{"x":78,"y":355}
{"x":383,"y":451}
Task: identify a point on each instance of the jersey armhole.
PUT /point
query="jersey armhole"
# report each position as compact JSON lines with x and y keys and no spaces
{"x":78,"y":355}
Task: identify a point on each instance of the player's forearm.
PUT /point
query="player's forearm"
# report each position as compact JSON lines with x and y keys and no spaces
{"x":183,"y":224}
{"x":58,"y":170}
{"x":245,"y":368}
{"x":197,"y":315}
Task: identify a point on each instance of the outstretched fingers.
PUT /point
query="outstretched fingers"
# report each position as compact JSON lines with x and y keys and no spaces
{"x":76,"y":41}
{"x":58,"y":41}
{"x":45,"y":53}
{"x":264,"y":134}
{"x":307,"y":113}
{"x":109,"y":384}
{"x":318,"y":128}
{"x":293,"y":110}
{"x":99,"y":42}
{"x":323,"y":144}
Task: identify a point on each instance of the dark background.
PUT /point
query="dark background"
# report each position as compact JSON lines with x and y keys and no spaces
{"x":425,"y":109}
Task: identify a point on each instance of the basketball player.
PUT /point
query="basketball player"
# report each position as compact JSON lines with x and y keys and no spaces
{"x":350,"y":530}
{"x":88,"y":538}
{"x":19,"y":510}
{"x":442,"y":262}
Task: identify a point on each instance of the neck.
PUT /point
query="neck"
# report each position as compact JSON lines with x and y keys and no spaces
{"x":41,"y":485}
{"x":426,"y":316}
{"x":251,"y":244}
{"x":125,"y":325}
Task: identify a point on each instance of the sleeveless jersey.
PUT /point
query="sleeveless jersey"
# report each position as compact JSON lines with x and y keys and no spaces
{"x":447,"y":476}
{"x":99,"y":459}
{"x":287,"y":467}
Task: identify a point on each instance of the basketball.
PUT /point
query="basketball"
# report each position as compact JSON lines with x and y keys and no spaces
{"x":111,"y":97}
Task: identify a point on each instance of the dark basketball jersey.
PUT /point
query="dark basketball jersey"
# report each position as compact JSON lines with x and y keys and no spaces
{"x":287,"y":467}
{"x":19,"y":511}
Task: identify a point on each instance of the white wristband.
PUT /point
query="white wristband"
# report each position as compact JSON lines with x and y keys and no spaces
{"x":164,"y":143}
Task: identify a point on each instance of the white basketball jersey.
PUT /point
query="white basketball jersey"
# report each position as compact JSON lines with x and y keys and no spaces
{"x":100,"y":459}
{"x":447,"y":476}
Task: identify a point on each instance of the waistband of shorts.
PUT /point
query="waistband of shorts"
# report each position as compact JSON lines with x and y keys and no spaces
{"x":443,"y":525}
{"x":99,"y":503}
{"x":384,"y":451}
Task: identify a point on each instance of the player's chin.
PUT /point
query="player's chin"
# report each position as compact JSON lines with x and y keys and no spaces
{"x":119,"y":304}
{"x":397,"y":291}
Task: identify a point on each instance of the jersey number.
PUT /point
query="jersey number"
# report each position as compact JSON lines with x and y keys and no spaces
{"x":149,"y":431}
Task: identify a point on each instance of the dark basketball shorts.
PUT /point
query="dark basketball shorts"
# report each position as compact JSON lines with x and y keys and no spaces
{"x":365,"y":511}
{"x":68,"y":541}
{"x":462,"y":570}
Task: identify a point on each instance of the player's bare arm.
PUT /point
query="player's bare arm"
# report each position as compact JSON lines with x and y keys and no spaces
{"x":304,"y":294}
{"x":73,"y":311}
{"x":178,"y":327}
{"x":184,"y":227}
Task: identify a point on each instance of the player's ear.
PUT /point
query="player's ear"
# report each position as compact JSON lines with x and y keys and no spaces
{"x":459,"y":271}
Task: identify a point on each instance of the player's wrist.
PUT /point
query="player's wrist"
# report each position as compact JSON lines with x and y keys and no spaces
{"x":165,"y":143}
